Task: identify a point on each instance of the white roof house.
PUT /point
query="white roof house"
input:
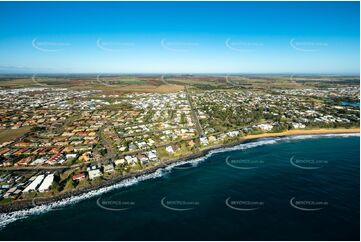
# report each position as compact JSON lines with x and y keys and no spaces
{"x":169,"y":149}
{"x":298,"y":125}
{"x":34,"y":184}
{"x":266,"y":127}
{"x":204,"y":141}
{"x":119,"y":162}
{"x":46,"y":183}
{"x":94,"y":173}
{"x":39,"y":161}
{"x":108,"y":168}
{"x":71,"y":156}
{"x":152,"y":155}
{"x":131,"y":159}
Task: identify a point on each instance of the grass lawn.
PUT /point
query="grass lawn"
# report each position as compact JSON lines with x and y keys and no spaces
{"x":6,"y":201}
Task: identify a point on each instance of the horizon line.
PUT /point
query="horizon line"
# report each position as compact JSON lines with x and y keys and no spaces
{"x":178,"y":73}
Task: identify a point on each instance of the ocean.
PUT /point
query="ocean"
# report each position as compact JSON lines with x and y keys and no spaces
{"x":293,"y":188}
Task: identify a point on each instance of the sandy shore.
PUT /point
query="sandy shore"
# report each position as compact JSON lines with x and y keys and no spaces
{"x":303,"y":132}
{"x":25,"y":204}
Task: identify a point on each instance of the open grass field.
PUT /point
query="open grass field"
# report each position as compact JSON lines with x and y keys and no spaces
{"x":116,"y":89}
{"x":172,"y":83}
{"x":11,"y":134}
{"x":16,"y":83}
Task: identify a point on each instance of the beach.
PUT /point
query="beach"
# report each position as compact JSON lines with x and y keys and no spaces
{"x":303,"y":132}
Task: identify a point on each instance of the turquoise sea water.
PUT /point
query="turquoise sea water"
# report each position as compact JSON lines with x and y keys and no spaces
{"x":273,"y":189}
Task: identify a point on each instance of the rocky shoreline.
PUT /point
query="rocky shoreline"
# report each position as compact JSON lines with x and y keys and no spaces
{"x":27,"y":204}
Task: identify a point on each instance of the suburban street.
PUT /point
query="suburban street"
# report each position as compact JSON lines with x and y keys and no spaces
{"x":194,"y":114}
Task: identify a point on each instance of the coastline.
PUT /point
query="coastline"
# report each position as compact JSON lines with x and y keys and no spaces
{"x":303,"y":132}
{"x":27,"y":204}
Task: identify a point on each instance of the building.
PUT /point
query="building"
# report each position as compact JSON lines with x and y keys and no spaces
{"x":71,"y":156}
{"x":169,"y":149}
{"x":94,"y":173}
{"x":108,"y":168}
{"x":39,"y":161}
{"x":131,"y":159}
{"x":56,"y":158}
{"x":298,"y":125}
{"x":204,"y":141}
{"x":119,"y":162}
{"x":266,"y":127}
{"x":152,"y":155}
{"x":34,"y":184}
{"x":46,"y":184}
{"x":79,"y":177}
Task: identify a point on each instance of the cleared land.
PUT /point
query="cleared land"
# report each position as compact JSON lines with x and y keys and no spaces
{"x":11,"y":134}
{"x":112,"y":89}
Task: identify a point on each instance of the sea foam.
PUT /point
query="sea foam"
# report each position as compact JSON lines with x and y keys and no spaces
{"x":7,"y":218}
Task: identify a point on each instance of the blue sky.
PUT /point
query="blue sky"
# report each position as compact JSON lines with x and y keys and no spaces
{"x":180,"y":37}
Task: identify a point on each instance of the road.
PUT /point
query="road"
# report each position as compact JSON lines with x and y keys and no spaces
{"x":42,"y":167}
{"x":107,"y":144}
{"x":194,"y":114}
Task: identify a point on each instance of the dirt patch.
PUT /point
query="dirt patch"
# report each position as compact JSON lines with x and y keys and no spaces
{"x":11,"y":134}
{"x":141,"y":88}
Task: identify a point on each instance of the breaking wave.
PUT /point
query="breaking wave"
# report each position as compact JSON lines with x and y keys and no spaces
{"x":7,"y":218}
